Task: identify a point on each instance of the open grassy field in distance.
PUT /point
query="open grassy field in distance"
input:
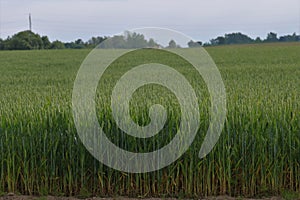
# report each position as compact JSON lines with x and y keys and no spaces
{"x":258,"y":153}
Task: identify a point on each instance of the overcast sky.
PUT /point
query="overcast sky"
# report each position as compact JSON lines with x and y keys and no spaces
{"x":68,"y":20}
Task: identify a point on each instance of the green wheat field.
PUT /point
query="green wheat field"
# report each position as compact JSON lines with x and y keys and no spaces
{"x":258,"y":153}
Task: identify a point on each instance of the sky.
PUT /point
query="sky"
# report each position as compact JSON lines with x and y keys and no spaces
{"x":202,"y":20}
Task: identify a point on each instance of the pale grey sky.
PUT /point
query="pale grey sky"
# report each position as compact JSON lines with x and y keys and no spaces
{"x":68,"y":20}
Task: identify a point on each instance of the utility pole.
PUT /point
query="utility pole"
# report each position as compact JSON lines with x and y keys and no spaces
{"x":30,"y":25}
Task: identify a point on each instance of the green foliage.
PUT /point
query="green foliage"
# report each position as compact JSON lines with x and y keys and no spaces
{"x":193,"y":44}
{"x":291,"y":195}
{"x":218,"y":41}
{"x":24,"y":40}
{"x":94,"y":41}
{"x":27,"y":40}
{"x":258,"y":151}
{"x":46,"y":42}
{"x":239,"y":38}
{"x":152,"y":43}
{"x":78,"y":44}
{"x":1,"y":44}
{"x":128,"y":41}
{"x":272,"y":37}
{"x":172,"y":44}
{"x":57,"y":45}
{"x":232,"y":38}
{"x":290,"y":38}
{"x":258,"y":40}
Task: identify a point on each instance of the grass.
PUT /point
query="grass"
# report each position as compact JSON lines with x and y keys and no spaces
{"x":257,"y":154}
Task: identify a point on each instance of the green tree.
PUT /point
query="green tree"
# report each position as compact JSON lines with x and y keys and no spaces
{"x":46,"y":42}
{"x":193,"y":44}
{"x":218,"y":41}
{"x":152,"y":43}
{"x":135,"y":40}
{"x":172,"y":44}
{"x":79,"y":44}
{"x":2,"y":44}
{"x":129,"y":41}
{"x":94,"y":41}
{"x":57,"y":45}
{"x":237,"y":38}
{"x":289,"y":38}
{"x":24,"y":40}
{"x":271,"y":37}
{"x":232,"y":38}
{"x":258,"y":40}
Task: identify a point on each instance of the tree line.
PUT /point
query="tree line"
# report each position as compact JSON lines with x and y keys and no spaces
{"x":239,"y":38}
{"x":27,"y":40}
